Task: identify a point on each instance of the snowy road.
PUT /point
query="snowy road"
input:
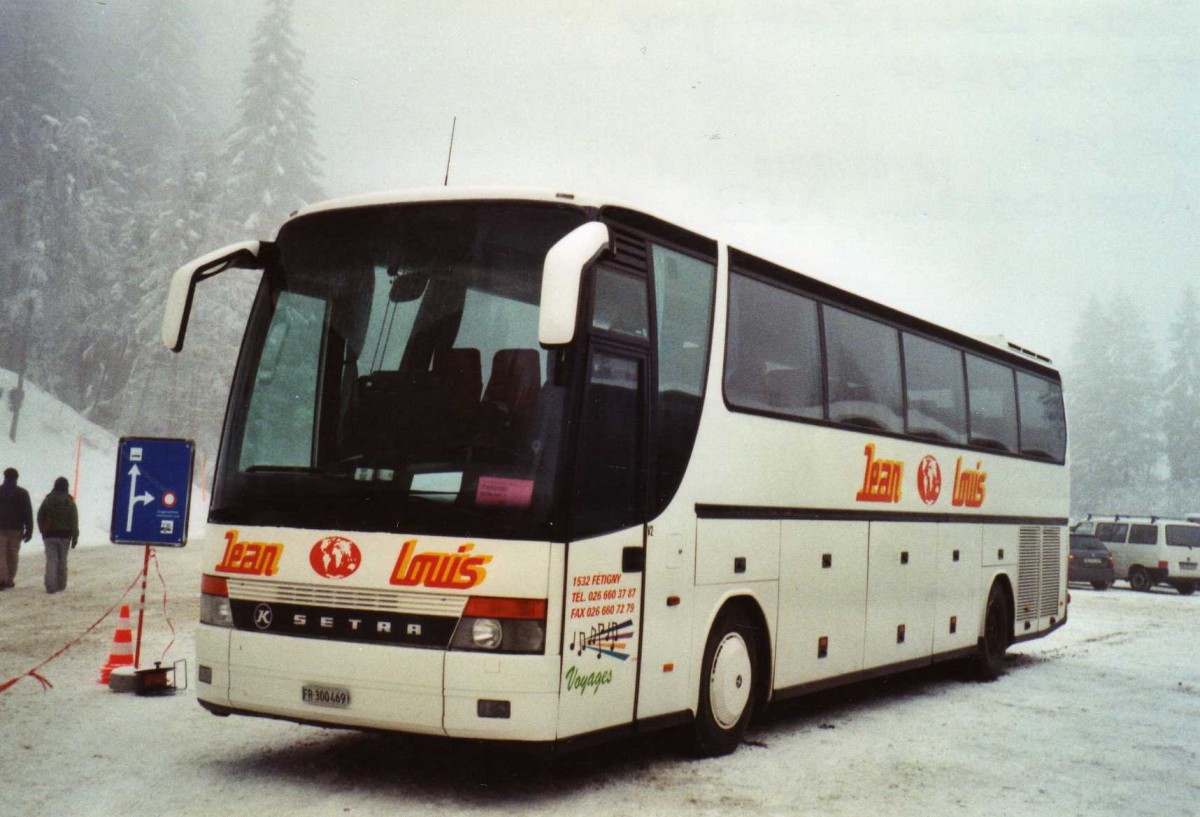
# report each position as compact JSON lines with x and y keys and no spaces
{"x":1101,"y":718}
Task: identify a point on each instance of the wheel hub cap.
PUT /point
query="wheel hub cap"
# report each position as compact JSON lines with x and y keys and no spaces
{"x":728,"y":690}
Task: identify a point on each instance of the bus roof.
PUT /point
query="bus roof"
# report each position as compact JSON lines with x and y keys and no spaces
{"x":590,"y":201}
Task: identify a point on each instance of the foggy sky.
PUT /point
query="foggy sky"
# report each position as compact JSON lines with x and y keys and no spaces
{"x":984,"y":166}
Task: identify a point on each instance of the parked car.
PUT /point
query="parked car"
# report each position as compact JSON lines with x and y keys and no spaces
{"x":1090,"y":561}
{"x":1149,"y":550}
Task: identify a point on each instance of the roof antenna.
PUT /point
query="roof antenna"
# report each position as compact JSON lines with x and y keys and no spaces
{"x":446,"y":181}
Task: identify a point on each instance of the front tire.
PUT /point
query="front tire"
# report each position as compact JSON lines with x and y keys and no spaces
{"x":992,"y":646}
{"x":727,"y":685}
{"x":1139,"y":580}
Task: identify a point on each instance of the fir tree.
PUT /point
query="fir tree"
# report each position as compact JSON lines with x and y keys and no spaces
{"x":62,"y":203}
{"x":272,"y":152}
{"x":1113,"y":407}
{"x":1181,"y":412}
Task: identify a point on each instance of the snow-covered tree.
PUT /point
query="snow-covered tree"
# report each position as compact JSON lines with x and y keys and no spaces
{"x":1181,"y":410}
{"x":1113,"y":402}
{"x":62,"y":201}
{"x":271,"y":152}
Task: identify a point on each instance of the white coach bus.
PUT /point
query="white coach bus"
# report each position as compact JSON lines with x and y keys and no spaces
{"x":537,"y":467}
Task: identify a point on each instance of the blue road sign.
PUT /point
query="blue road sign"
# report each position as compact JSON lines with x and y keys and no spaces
{"x":153,"y":491}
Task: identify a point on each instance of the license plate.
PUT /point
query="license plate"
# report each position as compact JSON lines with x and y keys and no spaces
{"x":1187,"y":565}
{"x":317,"y":695}
{"x":1091,"y":561}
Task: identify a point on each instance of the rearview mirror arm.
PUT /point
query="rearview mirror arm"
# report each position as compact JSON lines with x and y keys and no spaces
{"x":245,"y":255}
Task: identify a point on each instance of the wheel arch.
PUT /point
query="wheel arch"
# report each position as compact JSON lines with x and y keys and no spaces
{"x":1004,"y":582}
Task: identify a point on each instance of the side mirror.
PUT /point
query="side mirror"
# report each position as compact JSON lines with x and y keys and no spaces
{"x":407,"y":287}
{"x":247,"y":255}
{"x":561,"y":276}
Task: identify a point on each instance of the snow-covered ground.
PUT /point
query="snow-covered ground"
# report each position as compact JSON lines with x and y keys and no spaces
{"x":1102,"y":717}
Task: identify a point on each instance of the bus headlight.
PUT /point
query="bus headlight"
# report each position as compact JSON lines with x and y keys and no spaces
{"x":214,"y":602}
{"x":487,"y":633}
{"x":502,"y":625}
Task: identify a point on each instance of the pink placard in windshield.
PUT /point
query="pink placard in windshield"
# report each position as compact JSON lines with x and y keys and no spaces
{"x":504,"y":492}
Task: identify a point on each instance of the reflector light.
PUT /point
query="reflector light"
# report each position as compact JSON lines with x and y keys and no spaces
{"x":1163,"y":565}
{"x":493,"y":709}
{"x":493,"y":607}
{"x":214,"y":585}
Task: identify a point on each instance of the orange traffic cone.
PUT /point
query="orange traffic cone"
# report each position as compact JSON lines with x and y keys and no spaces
{"x":122,"y":648}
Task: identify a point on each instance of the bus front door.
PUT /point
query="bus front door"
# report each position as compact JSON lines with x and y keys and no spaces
{"x":601,"y":636}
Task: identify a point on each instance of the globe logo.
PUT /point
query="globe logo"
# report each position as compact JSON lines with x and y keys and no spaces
{"x":929,"y":480}
{"x":335,"y":557}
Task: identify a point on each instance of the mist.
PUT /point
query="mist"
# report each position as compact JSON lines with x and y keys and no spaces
{"x":1027,"y":170}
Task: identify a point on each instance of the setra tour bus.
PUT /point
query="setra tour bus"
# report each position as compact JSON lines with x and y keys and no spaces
{"x":537,"y":467}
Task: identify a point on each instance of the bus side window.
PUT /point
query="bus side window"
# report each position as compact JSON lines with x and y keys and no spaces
{"x":992,"y":395}
{"x":683,"y":308}
{"x":1043,"y":422}
{"x":863,"y":357}
{"x":773,"y":350}
{"x":936,"y":391}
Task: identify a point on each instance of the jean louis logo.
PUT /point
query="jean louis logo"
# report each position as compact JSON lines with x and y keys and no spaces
{"x":460,"y":570}
{"x":249,"y":558}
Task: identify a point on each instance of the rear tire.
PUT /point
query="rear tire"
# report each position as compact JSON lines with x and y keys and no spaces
{"x":727,"y":685}
{"x":990,"y":661}
{"x":1139,"y":579}
{"x":1101,"y":585}
{"x":1186,"y":588}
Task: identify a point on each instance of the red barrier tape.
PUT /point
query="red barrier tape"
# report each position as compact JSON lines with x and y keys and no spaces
{"x":45,"y":683}
{"x":166,"y":616}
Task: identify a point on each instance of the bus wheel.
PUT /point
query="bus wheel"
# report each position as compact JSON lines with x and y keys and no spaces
{"x":726,"y":685}
{"x":1139,"y":579}
{"x":990,"y":662}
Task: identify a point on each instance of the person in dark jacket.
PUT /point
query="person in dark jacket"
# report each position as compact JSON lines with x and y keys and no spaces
{"x":16,"y":525}
{"x":58,"y":520}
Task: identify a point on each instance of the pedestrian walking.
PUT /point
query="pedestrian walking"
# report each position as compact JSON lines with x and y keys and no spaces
{"x":16,"y":526}
{"x":58,"y":520}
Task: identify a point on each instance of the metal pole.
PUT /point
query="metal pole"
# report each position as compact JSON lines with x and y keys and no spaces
{"x":137,"y":650}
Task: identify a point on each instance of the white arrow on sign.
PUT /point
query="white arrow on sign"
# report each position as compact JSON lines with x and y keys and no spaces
{"x":134,"y":499}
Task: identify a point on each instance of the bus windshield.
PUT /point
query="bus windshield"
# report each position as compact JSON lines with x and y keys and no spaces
{"x":392,"y":378}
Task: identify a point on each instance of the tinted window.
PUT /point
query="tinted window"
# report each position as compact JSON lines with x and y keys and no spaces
{"x":392,"y":378}
{"x":608,"y":486}
{"x":283,"y":403}
{"x":683,"y":290}
{"x":773,"y":351}
{"x":1183,"y":536}
{"x":993,"y":402}
{"x":864,"y":371}
{"x":1143,"y":535}
{"x":620,"y":304}
{"x":683,"y":295}
{"x":1086,"y":543}
{"x":936,"y":392}
{"x":1111,"y":531}
{"x":1043,"y":424}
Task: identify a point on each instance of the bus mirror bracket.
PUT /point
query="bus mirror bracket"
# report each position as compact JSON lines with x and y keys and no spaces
{"x":561,"y":278}
{"x":246,"y":255}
